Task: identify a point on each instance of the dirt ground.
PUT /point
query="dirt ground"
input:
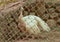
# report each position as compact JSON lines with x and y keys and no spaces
{"x":49,"y":12}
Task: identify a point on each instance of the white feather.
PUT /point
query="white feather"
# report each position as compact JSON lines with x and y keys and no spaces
{"x":32,"y":21}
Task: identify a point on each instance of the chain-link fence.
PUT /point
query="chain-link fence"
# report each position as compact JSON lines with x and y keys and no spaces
{"x":12,"y":28}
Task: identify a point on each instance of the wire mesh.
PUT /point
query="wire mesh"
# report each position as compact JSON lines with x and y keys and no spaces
{"x":10,"y":31}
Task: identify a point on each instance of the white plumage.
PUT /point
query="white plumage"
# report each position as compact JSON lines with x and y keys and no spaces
{"x":32,"y":21}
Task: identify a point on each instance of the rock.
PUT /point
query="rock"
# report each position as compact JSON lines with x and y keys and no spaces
{"x":53,"y":15}
{"x":51,"y":10}
{"x":45,"y":16}
{"x":58,"y":21}
{"x":51,"y":23}
{"x":58,"y":8}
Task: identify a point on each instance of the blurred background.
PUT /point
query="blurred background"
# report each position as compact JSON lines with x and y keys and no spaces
{"x":48,"y":10}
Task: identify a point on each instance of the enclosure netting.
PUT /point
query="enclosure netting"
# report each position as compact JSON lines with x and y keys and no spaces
{"x":9,"y":30}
